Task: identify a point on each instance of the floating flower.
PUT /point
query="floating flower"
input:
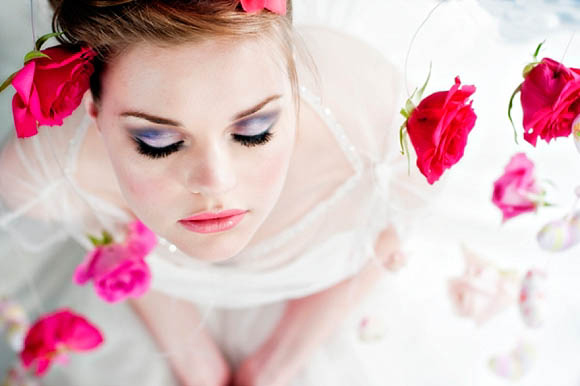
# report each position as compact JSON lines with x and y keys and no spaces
{"x":517,"y":191}
{"x":18,"y":376}
{"x":532,"y":298}
{"x":559,"y":235}
{"x":550,"y":98}
{"x":576,"y":132}
{"x":483,"y":291}
{"x":53,"y":336}
{"x":13,"y":322}
{"x":119,"y":270}
{"x":514,"y":364}
{"x":371,"y":328}
{"x":438,"y":128}
{"x":276,"y":6}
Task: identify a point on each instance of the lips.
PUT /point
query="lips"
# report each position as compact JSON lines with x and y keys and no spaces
{"x":211,"y":222}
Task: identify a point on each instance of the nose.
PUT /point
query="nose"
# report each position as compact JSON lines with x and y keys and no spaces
{"x":210,"y":171}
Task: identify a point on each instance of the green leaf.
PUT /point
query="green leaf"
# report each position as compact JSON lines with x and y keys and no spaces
{"x":7,"y":82}
{"x":529,"y":67}
{"x":96,"y":242}
{"x":538,"y":50}
{"x":404,"y":113}
{"x":34,"y":55}
{"x":422,"y":89}
{"x":41,"y":40}
{"x":402,"y":135}
{"x":518,"y":89}
{"x":107,"y":238}
{"x":409,"y":106}
{"x":406,"y":146}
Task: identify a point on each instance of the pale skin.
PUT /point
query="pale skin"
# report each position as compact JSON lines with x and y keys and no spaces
{"x":200,"y":101}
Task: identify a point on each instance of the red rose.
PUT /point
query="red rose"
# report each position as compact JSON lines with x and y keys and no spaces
{"x":55,"y":334}
{"x":438,"y":128}
{"x":550,"y":100}
{"x":48,"y":90}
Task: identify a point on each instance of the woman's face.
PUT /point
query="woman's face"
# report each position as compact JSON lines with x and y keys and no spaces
{"x":202,"y":128}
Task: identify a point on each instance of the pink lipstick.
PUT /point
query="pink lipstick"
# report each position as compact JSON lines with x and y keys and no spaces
{"x":211,"y":222}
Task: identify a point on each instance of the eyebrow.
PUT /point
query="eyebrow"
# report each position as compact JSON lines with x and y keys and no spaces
{"x":170,"y":122}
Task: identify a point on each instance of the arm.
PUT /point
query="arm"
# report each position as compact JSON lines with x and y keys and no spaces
{"x":308,"y":322}
{"x":191,"y":351}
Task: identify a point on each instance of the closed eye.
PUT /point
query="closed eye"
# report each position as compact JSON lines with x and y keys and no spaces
{"x":156,"y":152}
{"x":161,"y":152}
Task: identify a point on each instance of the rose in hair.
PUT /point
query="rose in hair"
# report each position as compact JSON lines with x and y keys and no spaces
{"x":53,"y":336}
{"x":550,"y":97}
{"x":276,"y":6}
{"x":50,"y":88}
{"x":517,"y":191}
{"x":119,"y":270}
{"x":439,"y":127}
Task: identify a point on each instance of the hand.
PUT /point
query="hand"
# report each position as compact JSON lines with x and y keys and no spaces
{"x":263,"y":368}
{"x":204,"y":366}
{"x":194,"y":356}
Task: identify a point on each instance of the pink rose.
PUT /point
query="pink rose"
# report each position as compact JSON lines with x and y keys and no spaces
{"x":276,"y":6}
{"x":115,"y":273}
{"x":48,"y":90}
{"x":513,"y":192}
{"x":119,"y":271}
{"x":53,"y":335}
{"x":550,"y":100}
{"x":438,"y":128}
{"x":482,"y":291}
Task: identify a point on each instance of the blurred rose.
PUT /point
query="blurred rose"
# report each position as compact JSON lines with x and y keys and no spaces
{"x":54,"y":335}
{"x":482,"y":291}
{"x":516,"y":191}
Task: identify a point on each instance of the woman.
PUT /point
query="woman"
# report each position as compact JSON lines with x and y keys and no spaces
{"x":261,"y":162}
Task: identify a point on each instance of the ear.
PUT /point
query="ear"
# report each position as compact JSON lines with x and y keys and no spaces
{"x":91,"y":108}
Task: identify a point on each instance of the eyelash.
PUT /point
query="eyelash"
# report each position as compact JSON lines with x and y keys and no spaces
{"x":161,"y":152}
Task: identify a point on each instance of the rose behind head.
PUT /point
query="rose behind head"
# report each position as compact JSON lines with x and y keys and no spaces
{"x":110,"y":27}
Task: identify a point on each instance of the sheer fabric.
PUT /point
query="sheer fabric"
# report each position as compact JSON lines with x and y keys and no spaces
{"x":241,"y":299}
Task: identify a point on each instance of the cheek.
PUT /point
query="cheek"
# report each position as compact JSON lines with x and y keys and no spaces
{"x":143,"y":190}
{"x":267,"y":174}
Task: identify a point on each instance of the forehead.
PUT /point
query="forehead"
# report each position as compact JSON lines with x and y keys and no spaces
{"x":197,"y":77}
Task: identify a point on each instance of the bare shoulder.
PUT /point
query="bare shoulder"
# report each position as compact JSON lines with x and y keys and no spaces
{"x":356,"y":80}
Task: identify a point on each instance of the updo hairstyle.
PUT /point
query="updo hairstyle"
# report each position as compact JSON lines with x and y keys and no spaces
{"x":111,"y":26}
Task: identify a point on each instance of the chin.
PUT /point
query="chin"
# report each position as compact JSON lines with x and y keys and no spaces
{"x":214,"y":251}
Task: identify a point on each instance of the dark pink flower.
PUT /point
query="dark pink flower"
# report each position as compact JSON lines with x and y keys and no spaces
{"x":119,"y":271}
{"x":438,"y":128}
{"x":516,"y":191}
{"x":54,"y":335}
{"x":550,"y":97}
{"x":49,"y":90}
{"x":276,"y":6}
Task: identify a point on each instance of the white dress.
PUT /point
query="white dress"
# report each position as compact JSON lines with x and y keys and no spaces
{"x":422,"y":343}
{"x":241,"y":299}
